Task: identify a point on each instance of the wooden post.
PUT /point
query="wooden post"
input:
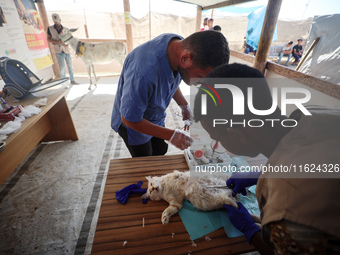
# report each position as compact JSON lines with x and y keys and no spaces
{"x":307,"y":53}
{"x":128,"y":26}
{"x":149,"y":20}
{"x":198,"y":18}
{"x":269,"y":23}
{"x":86,"y":32}
{"x":85,"y":25}
{"x":44,"y":20}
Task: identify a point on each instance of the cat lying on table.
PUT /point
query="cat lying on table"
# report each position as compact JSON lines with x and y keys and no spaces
{"x":178,"y":186}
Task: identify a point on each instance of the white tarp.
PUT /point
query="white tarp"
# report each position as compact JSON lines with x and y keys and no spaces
{"x":324,"y":60}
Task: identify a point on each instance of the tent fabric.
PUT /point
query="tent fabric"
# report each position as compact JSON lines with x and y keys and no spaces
{"x":324,"y":60}
{"x":254,"y":27}
{"x":235,"y":9}
{"x":202,"y":2}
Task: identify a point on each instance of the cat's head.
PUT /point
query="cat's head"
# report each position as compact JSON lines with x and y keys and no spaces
{"x":154,"y":188}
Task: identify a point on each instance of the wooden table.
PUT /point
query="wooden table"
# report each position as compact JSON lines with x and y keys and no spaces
{"x":118,"y":223}
{"x":53,"y":123}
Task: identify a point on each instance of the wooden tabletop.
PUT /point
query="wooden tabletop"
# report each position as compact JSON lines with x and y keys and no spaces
{"x":118,"y":223}
{"x":53,"y":123}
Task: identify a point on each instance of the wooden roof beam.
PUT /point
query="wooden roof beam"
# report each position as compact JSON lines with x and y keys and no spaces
{"x":226,"y":3}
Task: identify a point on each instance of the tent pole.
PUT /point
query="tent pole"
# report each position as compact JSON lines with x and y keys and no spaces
{"x":128,"y":26}
{"x":269,"y":23}
{"x":198,"y":18}
{"x":307,"y":53}
{"x":44,"y":21}
{"x":149,"y":19}
{"x":85,"y":25}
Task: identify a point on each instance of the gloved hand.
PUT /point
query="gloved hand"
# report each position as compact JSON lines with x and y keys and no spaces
{"x":123,"y":194}
{"x":241,"y":219}
{"x":187,"y":116}
{"x":241,"y":180}
{"x":181,"y":139}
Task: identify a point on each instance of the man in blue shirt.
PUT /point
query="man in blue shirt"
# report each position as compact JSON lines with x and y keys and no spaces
{"x":149,"y":80}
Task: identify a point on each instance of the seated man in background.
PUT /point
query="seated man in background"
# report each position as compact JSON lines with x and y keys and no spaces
{"x":286,"y":51}
{"x":247,"y":47}
{"x":297,"y":52}
{"x":298,"y":215}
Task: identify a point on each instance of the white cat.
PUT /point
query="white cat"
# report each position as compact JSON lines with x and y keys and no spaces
{"x":178,"y":186}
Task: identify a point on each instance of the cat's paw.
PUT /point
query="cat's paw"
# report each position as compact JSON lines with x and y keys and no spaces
{"x":145,"y":196}
{"x":165,"y":218}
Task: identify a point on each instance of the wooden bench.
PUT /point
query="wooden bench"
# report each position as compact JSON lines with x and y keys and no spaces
{"x":53,"y":123}
{"x":118,"y":223}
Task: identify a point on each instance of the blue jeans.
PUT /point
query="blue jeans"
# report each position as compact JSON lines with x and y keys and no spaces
{"x":297,"y":57}
{"x":250,"y":49}
{"x":280,"y":56}
{"x":67,"y":57}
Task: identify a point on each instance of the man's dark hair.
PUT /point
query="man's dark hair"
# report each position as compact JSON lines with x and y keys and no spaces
{"x":291,"y":42}
{"x":243,"y":77}
{"x":207,"y":48}
{"x":217,"y":28}
{"x":205,"y":18}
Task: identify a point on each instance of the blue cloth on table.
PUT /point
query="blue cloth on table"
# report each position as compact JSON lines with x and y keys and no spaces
{"x":123,"y":194}
{"x":200,"y":223}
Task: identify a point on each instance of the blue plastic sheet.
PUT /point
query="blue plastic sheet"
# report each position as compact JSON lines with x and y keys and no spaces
{"x":254,"y":27}
{"x":199,"y":223}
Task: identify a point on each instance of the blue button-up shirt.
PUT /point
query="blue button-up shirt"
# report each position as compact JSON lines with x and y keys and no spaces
{"x":146,"y":87}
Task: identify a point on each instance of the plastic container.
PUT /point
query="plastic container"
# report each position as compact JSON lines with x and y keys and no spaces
{"x":192,"y":161}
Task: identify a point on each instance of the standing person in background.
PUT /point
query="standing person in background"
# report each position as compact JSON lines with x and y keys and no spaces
{"x":297,"y":52}
{"x":205,"y":24}
{"x":286,"y":51}
{"x":210,"y":24}
{"x":61,"y":50}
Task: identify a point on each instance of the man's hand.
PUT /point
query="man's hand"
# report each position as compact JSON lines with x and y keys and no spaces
{"x":239,"y":181}
{"x":181,"y":139}
{"x":241,"y":219}
{"x":187,"y":116}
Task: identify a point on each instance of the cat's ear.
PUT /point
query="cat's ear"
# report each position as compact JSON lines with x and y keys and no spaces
{"x":148,"y":178}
